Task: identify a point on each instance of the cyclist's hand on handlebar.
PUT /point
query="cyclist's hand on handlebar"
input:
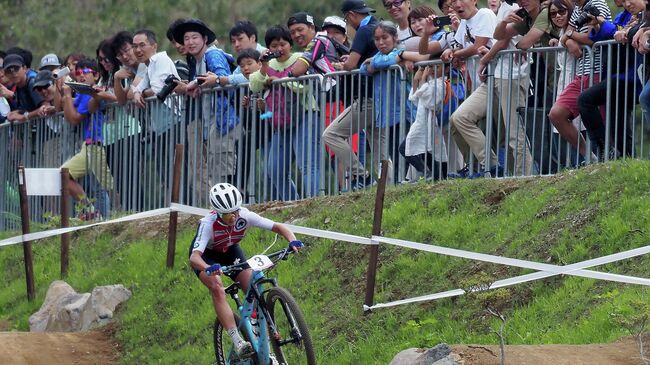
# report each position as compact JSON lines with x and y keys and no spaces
{"x":213,"y":270}
{"x":296,"y":245}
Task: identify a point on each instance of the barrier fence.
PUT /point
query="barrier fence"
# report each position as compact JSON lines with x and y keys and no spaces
{"x":276,"y":145}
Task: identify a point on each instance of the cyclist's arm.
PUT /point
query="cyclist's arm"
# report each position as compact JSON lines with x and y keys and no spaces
{"x":197,"y":261}
{"x":283,"y":231}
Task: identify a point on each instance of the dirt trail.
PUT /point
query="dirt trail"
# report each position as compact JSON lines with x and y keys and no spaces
{"x":36,"y":348}
{"x":95,"y":347}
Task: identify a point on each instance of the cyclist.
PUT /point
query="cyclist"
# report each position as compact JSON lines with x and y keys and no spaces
{"x":216,"y":244}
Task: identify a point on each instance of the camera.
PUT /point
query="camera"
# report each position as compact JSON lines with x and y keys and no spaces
{"x":588,"y":9}
{"x":268,"y":56}
{"x":170,"y":85}
{"x":340,"y":48}
{"x":441,"y":21}
{"x":522,"y":13}
{"x":62,"y":73}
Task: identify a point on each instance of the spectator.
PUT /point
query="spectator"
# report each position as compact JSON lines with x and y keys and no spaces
{"x":27,"y":57}
{"x":88,"y":112}
{"x":215,"y":127}
{"x":70,"y":62}
{"x":399,"y":11}
{"x":49,"y":62}
{"x":180,"y":48}
{"x":131,"y":71}
{"x":292,"y":107}
{"x":29,"y":104}
{"x":494,"y":5}
{"x":5,"y":93}
{"x":621,"y":83}
{"x":159,"y":67}
{"x":641,"y":41}
{"x":107,"y":67}
{"x":566,"y":105}
{"x":243,"y":35}
{"x":358,"y":116}
{"x":319,"y":52}
{"x":336,"y":30}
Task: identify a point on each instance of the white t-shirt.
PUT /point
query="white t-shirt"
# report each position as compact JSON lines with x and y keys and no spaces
{"x":482,"y":24}
{"x":519,"y":61}
{"x":404,"y":34}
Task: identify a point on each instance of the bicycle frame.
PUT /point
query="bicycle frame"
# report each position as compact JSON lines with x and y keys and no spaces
{"x":255,"y":303}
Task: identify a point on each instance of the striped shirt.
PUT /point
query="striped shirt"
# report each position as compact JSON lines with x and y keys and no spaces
{"x":584,"y":64}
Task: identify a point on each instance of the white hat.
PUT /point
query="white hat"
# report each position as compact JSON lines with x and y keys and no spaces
{"x":335,"y":21}
{"x":49,"y":60}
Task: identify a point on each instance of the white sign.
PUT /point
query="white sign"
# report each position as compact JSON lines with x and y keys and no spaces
{"x":260,"y":262}
{"x":43,"y":182}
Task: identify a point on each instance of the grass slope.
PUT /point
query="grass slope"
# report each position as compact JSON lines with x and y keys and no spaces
{"x":575,"y":216}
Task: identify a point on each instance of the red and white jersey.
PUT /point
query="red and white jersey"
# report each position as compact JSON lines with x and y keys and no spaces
{"x":213,"y":234}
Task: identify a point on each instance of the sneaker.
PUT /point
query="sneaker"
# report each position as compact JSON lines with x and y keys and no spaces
{"x":273,"y":361}
{"x":244,"y":349}
{"x":496,"y":171}
{"x":460,"y":174}
{"x":362,"y":182}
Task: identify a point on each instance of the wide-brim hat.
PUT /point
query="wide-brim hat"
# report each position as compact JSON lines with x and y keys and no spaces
{"x":193,"y":25}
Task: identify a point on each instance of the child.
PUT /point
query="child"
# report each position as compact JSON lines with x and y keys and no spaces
{"x":87,"y":111}
{"x":294,"y":119}
{"x":386,"y":83}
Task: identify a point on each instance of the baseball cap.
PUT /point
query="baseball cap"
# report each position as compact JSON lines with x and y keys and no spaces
{"x":336,"y":22}
{"x":13,"y":60}
{"x":49,"y":59}
{"x":358,"y":6}
{"x":300,"y":18}
{"x":43,"y":78}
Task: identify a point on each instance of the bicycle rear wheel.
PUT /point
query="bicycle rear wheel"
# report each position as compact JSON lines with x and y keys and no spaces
{"x":223,"y":346}
{"x":295,"y":346}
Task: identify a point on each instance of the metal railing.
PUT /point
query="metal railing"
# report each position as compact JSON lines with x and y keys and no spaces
{"x":279,"y":144}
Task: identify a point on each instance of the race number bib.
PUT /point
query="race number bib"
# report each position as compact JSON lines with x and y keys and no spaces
{"x":260,"y":262}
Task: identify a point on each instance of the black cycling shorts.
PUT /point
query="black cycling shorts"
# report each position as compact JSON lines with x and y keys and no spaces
{"x":224,"y":259}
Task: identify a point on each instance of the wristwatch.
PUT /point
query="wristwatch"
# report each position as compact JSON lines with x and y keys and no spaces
{"x":569,"y":33}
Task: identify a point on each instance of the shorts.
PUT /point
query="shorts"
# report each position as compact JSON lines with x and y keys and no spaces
{"x":91,"y":156}
{"x":569,"y":96}
{"x":234,"y":254}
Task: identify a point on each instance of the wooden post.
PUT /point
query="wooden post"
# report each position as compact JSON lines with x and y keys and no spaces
{"x":376,"y":230}
{"x":27,"y":245}
{"x":65,"y":223}
{"x":173,"y":216}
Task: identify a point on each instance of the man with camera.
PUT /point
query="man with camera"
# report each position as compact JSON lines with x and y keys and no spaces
{"x":131,"y":71}
{"x":584,"y":18}
{"x":214,"y":128}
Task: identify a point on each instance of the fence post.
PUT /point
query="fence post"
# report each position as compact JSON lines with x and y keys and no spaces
{"x":173,"y":216}
{"x":65,"y":208}
{"x":376,"y":230}
{"x":27,"y":245}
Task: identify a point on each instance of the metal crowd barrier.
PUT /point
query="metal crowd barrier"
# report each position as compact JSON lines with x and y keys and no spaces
{"x":279,"y":144}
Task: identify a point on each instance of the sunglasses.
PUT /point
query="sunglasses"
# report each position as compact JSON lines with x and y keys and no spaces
{"x":394,"y":4}
{"x":560,"y":12}
{"x":103,"y":59}
{"x":12,"y":70}
{"x":229,"y":216}
{"x":83,"y":71}
{"x":41,"y":88}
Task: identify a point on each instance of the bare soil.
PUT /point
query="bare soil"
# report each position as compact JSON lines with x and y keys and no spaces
{"x":96,"y":347}
{"x":621,"y":352}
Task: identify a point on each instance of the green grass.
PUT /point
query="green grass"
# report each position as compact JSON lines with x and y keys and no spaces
{"x":575,"y":216}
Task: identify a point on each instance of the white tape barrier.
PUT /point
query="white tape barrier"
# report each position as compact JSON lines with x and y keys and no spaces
{"x":55,"y":232}
{"x":296,"y":229}
{"x":548,"y":270}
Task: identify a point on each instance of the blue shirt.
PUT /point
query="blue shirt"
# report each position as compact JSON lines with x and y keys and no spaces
{"x":92,"y":123}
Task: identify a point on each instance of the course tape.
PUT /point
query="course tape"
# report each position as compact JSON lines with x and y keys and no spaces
{"x":546,"y":269}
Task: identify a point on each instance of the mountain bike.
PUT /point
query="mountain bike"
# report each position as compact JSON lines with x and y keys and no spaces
{"x":269,"y":318}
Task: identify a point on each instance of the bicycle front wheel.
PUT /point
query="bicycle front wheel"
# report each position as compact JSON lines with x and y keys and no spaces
{"x":295,"y":346}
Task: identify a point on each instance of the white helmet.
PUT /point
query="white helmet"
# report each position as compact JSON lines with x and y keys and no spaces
{"x":225,"y":198}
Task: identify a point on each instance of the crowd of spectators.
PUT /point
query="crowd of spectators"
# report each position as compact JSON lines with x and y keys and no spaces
{"x":447,"y":98}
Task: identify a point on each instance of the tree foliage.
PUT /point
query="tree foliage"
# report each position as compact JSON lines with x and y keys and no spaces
{"x":66,"y":26}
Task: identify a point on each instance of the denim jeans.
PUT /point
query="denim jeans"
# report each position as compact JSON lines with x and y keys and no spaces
{"x":303,"y":140}
{"x":644,"y":100}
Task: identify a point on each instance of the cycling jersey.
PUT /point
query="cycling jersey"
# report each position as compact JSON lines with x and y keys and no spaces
{"x":215,"y":235}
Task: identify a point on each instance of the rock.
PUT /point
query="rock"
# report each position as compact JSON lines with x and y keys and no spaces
{"x":65,"y":310}
{"x":438,"y":355}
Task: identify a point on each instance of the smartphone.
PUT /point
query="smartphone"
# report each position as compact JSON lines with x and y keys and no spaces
{"x":522,"y":13}
{"x":61,"y":73}
{"x":441,"y":21}
{"x":200,"y":79}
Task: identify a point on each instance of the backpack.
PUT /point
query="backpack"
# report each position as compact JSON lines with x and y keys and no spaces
{"x":281,"y":101}
{"x":454,"y":95}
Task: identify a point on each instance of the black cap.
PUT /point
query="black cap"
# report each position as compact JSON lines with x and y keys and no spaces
{"x":357,"y":6}
{"x":192,"y":25}
{"x":301,"y":18}
{"x":43,"y":78}
{"x":13,"y":60}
